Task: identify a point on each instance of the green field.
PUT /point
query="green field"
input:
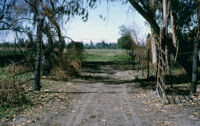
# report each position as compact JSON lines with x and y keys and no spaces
{"x":105,"y":55}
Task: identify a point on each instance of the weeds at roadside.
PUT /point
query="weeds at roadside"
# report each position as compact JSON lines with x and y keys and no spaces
{"x":13,"y":95}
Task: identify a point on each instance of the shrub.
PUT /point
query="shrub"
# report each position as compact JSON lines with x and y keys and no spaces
{"x":71,"y":64}
{"x":12,"y":92}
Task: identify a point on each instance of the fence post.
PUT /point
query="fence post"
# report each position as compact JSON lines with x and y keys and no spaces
{"x":170,"y":70}
{"x":167,"y":60}
{"x":148,"y":59}
{"x":142,"y":64}
{"x":132,"y":58}
{"x":194,"y":68}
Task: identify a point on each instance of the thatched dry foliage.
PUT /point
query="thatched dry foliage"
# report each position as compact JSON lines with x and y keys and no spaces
{"x":59,"y":73}
{"x":75,"y":68}
{"x":72,"y":59}
{"x":71,"y":62}
{"x":72,"y":68}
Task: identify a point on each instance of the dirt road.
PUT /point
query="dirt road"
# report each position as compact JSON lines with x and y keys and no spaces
{"x":106,"y":95}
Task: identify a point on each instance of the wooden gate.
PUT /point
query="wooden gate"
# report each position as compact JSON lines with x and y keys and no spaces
{"x":161,"y":68}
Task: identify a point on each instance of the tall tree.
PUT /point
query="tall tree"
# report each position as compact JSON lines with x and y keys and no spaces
{"x":184,"y":8}
{"x":195,"y":55}
{"x":38,"y":54}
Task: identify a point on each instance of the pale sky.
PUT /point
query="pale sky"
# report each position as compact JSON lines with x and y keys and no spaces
{"x":97,"y":29}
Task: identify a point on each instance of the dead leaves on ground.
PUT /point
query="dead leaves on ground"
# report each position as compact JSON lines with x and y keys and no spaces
{"x":194,"y":116}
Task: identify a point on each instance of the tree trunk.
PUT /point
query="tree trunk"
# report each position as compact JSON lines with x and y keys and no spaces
{"x":174,"y":29}
{"x":198,"y":34}
{"x":194,"y":68}
{"x":47,"y":51}
{"x":142,"y":65}
{"x":165,"y":15}
{"x":195,"y":55}
{"x":153,"y":49}
{"x":61,"y":40}
{"x":38,"y":55}
{"x":198,"y":15}
{"x":58,"y":30}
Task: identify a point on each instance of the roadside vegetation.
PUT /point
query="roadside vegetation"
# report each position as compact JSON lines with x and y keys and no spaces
{"x":17,"y":81}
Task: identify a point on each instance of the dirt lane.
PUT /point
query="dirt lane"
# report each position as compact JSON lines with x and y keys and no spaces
{"x":107,"y":96}
{"x":105,"y":109}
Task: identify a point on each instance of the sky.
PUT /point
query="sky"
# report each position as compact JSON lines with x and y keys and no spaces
{"x":98,"y":29}
{"x":114,"y":14}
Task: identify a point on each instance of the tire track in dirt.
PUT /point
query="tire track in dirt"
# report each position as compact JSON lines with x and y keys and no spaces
{"x":128,"y":121}
{"x":88,"y":107}
{"x":75,"y":120}
{"x":134,"y":116}
{"x":104,"y":109}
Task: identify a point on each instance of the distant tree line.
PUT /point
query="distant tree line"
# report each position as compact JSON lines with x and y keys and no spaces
{"x":20,"y":43}
{"x":101,"y":45}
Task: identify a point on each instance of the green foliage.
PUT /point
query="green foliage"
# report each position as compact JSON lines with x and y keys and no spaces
{"x":10,"y":52}
{"x":7,"y":112}
{"x":6,"y":45}
{"x":125,"y":42}
{"x":10,"y":55}
{"x":185,"y":11}
{"x":21,"y":43}
{"x":75,"y":51}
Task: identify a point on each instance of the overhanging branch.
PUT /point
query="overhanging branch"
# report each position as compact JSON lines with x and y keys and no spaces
{"x":148,"y":16}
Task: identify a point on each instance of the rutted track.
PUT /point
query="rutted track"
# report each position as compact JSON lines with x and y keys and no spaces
{"x":107,"y":96}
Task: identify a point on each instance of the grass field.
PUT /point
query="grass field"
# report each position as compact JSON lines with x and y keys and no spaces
{"x":105,"y":55}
